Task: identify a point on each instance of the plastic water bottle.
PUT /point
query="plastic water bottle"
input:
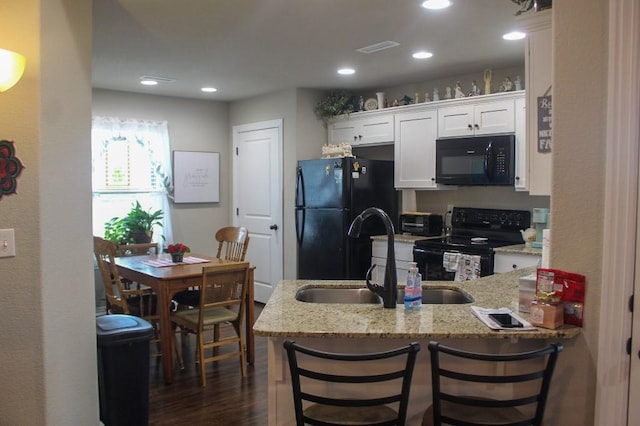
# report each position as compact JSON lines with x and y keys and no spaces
{"x":413,"y":289}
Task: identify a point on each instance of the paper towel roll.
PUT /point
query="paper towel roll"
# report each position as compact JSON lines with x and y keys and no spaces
{"x":546,"y":248}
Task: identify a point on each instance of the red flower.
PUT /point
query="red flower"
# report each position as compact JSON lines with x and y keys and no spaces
{"x":177,"y":248}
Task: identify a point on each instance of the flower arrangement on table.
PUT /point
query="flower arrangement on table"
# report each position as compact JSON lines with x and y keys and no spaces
{"x":177,"y":251}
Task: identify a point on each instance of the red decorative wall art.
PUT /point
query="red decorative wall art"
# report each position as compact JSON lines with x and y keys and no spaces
{"x":10,"y":168}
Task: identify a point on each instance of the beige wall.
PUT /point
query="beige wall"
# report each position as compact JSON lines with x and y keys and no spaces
{"x":46,"y":307}
{"x":194,"y":125}
{"x":303,"y":138}
{"x":580,"y":109}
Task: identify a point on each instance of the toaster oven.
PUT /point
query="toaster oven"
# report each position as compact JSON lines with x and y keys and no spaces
{"x":422,"y":224}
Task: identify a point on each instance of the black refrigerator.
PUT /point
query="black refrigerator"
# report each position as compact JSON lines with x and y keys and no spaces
{"x":330,"y":193}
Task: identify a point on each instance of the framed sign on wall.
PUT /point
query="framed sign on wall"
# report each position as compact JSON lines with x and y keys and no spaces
{"x":196,"y":177}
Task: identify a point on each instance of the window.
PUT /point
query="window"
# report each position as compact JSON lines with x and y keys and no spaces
{"x":130,"y":162}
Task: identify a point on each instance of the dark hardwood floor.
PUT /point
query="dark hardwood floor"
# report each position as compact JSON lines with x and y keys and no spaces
{"x":228,"y":399}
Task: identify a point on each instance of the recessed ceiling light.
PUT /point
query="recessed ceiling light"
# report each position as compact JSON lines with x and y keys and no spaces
{"x":514,"y":35}
{"x":422,"y":55}
{"x":209,"y":89}
{"x":346,"y":71}
{"x":436,"y":4}
{"x":148,"y":82}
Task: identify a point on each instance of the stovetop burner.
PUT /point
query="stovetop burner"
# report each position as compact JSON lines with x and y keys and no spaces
{"x":482,"y":229}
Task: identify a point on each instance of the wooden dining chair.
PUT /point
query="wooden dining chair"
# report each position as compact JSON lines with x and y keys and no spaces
{"x":372,"y":391}
{"x":120,"y":300}
{"x":136,"y":250}
{"x":233,"y":242}
{"x":514,"y":393}
{"x":222,"y":301}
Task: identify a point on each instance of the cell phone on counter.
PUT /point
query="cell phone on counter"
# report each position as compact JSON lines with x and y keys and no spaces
{"x":506,"y":320}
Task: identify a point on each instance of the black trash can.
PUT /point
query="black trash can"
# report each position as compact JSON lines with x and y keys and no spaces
{"x":123,"y":369}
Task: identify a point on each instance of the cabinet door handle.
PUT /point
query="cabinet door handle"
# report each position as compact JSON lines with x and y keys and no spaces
{"x":476,"y":126}
{"x":359,"y":137}
{"x":355,"y":138}
{"x":470,"y":127}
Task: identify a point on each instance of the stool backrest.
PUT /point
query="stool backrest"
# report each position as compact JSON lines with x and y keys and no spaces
{"x":308,"y":368}
{"x":516,"y":394}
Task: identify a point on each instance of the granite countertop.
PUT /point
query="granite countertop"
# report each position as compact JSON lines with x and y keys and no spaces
{"x":519,"y":249}
{"x":284,"y":316}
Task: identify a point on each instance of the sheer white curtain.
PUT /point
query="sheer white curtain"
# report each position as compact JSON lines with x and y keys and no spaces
{"x":130,"y":162}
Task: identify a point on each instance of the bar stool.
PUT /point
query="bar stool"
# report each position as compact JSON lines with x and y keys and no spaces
{"x":516,"y":397}
{"x":323,"y":403}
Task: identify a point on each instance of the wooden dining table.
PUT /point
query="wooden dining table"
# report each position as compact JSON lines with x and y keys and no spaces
{"x":166,"y":279}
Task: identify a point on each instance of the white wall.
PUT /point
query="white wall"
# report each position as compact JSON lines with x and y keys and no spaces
{"x":194,"y":125}
{"x":48,"y":357}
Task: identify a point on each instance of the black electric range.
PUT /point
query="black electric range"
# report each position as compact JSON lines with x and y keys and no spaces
{"x":474,"y":232}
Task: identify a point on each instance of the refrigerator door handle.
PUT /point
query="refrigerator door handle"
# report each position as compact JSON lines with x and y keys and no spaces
{"x":299,"y":206}
{"x":300,"y":224}
{"x":300,"y":199}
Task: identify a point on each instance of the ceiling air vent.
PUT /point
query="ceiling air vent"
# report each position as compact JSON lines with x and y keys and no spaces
{"x":378,"y":46}
{"x":157,"y":78}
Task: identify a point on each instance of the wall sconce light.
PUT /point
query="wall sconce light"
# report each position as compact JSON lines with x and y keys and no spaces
{"x":11,"y":68}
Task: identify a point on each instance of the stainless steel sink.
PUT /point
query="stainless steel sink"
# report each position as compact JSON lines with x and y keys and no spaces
{"x":430,"y":295}
{"x":337,"y":295}
{"x":440,"y":296}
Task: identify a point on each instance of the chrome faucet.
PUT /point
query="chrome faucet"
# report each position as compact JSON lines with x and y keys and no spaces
{"x":389,"y":290}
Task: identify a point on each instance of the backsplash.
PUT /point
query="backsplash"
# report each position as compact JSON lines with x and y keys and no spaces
{"x":489,"y":197}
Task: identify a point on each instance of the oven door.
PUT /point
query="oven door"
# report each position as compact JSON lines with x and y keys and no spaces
{"x":429,"y":261}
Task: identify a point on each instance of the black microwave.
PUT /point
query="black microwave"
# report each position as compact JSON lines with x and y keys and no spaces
{"x":480,"y":160}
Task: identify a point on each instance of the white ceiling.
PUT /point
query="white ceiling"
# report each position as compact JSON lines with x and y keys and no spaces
{"x":251,"y":47}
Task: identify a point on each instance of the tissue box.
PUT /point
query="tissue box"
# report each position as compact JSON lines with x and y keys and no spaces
{"x":526,"y":292}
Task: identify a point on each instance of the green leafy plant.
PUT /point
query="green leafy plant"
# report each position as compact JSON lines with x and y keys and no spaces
{"x":136,"y":227}
{"x":525,"y":6}
{"x":335,"y":103}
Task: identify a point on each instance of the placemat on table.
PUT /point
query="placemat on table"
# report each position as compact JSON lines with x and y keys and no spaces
{"x":160,"y":263}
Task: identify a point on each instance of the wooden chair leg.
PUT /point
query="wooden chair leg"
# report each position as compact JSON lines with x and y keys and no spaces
{"x":177,"y":350}
{"x":203,"y":377}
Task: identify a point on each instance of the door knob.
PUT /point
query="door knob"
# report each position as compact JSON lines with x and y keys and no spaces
{"x":274,"y":227}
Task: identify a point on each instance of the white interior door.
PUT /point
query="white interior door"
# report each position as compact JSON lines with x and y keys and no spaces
{"x":257,"y":194}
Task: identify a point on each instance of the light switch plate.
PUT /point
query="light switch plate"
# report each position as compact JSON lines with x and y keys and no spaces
{"x":7,"y":243}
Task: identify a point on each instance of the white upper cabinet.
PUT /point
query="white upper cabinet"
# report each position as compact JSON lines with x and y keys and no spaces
{"x":539,"y":79}
{"x":362,"y":130}
{"x":415,"y":149}
{"x":477,"y":118}
{"x":522,"y":165}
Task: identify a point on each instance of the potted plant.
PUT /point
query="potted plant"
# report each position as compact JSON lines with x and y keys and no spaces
{"x":336,"y":103}
{"x":177,"y":251}
{"x":136,"y":227}
{"x":527,"y":5}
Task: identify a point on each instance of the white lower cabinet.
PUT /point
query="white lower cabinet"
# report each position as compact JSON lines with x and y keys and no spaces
{"x":404,"y":257}
{"x":507,"y":262}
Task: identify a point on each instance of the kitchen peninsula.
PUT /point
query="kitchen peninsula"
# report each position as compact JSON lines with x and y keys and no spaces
{"x":369,"y":327}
